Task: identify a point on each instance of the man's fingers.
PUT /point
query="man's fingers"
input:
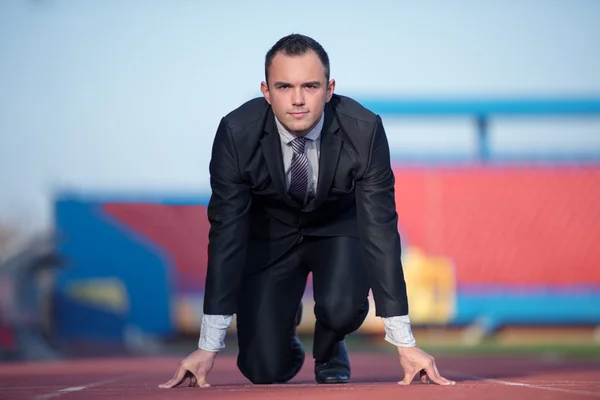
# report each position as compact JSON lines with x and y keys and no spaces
{"x":179,"y":376}
{"x":435,"y":376}
{"x":437,"y":373}
{"x":409,"y":375}
{"x":202,"y":381}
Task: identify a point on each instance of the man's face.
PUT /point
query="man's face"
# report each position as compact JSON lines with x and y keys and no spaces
{"x":297,"y":90}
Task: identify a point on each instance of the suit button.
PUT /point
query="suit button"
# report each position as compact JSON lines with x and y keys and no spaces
{"x":300,"y":239}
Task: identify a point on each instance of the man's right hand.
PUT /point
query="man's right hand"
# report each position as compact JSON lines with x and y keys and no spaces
{"x":196,"y":366}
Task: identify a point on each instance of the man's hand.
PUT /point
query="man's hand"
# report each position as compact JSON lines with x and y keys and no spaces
{"x":196,"y":366}
{"x":414,"y":360}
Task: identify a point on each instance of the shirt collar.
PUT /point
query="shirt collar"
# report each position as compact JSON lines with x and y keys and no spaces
{"x":287,"y":136}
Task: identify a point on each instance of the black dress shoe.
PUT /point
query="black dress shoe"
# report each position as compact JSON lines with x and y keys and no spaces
{"x":336,"y":369}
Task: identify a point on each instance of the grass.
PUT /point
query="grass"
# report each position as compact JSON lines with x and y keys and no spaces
{"x":541,"y":350}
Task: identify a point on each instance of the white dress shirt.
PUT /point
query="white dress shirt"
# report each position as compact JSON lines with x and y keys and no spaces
{"x":214,"y":327}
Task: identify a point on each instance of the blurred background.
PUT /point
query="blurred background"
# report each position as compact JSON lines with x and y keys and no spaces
{"x":107,"y":114}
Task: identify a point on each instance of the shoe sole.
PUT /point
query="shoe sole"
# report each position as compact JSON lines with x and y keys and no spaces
{"x":332,"y":380}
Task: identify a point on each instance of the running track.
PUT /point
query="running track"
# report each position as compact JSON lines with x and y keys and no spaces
{"x":374,"y":377}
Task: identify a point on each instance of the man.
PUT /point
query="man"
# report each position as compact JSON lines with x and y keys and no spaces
{"x":301,"y":182}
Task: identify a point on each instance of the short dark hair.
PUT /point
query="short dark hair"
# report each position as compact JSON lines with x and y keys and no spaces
{"x":296,"y":45}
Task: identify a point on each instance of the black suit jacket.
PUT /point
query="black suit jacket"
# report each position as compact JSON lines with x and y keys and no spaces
{"x":254,"y":220}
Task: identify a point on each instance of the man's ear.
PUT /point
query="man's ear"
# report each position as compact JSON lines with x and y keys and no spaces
{"x":264,"y":88}
{"x":330,"y":89}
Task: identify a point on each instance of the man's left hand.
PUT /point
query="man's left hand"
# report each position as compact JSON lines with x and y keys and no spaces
{"x":414,"y":360}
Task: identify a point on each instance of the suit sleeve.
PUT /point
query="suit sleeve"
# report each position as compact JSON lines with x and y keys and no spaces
{"x":378,"y":229}
{"x":229,"y":225}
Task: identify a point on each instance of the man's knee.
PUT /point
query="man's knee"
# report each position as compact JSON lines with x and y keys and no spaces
{"x":261,"y":369}
{"x":342,"y":317}
{"x":256,"y":371}
{"x":261,"y":378}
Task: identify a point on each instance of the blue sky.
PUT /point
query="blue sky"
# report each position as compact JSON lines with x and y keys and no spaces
{"x":125,"y":96}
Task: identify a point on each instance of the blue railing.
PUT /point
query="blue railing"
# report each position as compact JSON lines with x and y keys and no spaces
{"x":482,"y":110}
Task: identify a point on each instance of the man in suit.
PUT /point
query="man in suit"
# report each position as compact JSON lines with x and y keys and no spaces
{"x":301,"y":183}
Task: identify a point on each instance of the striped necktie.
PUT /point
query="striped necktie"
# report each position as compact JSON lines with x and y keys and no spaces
{"x":299,"y":171}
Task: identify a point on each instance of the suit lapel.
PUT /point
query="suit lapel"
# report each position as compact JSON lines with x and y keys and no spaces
{"x":271,"y":145}
{"x":331,"y":145}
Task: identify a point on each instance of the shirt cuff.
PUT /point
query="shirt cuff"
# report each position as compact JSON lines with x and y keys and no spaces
{"x":212,"y":332}
{"x":398,"y":331}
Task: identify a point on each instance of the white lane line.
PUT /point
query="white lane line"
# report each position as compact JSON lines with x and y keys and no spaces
{"x":72,"y":389}
{"x":26,"y":387}
{"x":521,"y":384}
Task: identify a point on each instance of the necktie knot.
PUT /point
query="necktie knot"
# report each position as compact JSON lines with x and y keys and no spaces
{"x":298,"y":145}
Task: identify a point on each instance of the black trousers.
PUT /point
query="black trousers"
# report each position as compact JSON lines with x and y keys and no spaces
{"x":269,"y":301}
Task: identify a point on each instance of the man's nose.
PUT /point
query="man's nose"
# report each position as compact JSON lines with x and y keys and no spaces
{"x":298,"y":97}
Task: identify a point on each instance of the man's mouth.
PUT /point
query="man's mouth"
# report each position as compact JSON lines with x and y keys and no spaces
{"x":298,"y":114}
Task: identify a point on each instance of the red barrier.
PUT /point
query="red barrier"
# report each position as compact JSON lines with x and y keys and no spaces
{"x":505,"y":225}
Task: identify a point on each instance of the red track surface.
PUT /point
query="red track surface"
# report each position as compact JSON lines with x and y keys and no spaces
{"x":374,"y":376}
